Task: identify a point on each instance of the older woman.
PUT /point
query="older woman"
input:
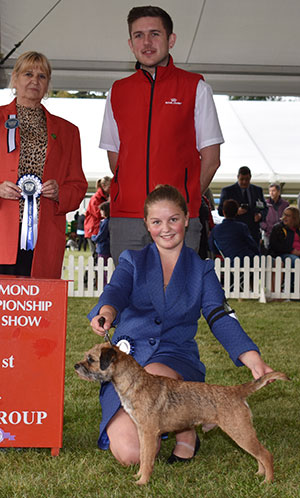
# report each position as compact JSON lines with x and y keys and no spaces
{"x":41,"y":176}
{"x":285,"y":236}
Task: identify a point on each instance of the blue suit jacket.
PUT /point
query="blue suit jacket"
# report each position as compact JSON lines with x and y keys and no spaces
{"x":165,"y":323}
{"x":257,"y":205}
{"x":233,"y":239}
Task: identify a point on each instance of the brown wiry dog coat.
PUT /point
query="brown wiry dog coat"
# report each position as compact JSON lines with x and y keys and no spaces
{"x":159,"y":404}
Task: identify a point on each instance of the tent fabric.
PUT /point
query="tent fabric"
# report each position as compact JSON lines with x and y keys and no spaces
{"x":261,"y":135}
{"x":241,"y":47}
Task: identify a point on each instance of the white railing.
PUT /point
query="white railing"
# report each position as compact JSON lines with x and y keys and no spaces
{"x":265,"y":279}
{"x":86,"y":280}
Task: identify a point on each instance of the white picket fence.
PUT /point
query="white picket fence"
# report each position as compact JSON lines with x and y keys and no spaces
{"x":265,"y":279}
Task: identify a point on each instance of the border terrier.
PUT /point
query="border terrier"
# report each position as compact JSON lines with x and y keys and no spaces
{"x":159,"y":404}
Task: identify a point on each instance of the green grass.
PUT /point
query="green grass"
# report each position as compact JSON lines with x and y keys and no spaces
{"x":221,"y":469}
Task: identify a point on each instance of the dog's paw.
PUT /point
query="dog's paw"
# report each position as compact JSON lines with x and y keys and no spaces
{"x":142,"y":481}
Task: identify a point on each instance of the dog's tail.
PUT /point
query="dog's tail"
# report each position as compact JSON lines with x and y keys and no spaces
{"x":254,"y":385}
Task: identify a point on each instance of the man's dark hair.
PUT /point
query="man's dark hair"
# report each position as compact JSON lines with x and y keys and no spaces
{"x":230,"y":208}
{"x":244,"y":170}
{"x":276,"y":185}
{"x":150,"y":11}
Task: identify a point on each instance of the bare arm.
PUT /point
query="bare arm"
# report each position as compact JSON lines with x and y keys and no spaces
{"x":210,"y":161}
{"x":112,"y":159}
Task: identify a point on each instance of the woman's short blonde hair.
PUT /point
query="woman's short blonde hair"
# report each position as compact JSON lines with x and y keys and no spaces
{"x":295,"y":215}
{"x":28,"y":60}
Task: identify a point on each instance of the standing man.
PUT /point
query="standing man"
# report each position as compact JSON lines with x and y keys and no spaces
{"x":276,"y":206}
{"x":250,"y":198}
{"x":160,"y":126}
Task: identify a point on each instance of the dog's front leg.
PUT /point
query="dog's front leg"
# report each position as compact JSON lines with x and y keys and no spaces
{"x":148,"y":449}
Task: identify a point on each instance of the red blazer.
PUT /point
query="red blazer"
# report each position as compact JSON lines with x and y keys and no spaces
{"x":63,"y":164}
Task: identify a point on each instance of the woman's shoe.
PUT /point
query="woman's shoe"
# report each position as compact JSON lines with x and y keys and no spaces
{"x":174,"y":458}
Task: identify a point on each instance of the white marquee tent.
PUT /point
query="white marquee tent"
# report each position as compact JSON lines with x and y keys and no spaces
{"x":241,"y":46}
{"x":262,"y":135}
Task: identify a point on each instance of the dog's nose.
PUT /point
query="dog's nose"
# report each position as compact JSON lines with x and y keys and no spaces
{"x":76,"y":366}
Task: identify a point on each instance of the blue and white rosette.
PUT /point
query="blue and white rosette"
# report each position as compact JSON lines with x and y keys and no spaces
{"x":31,"y":187}
{"x":125,"y":344}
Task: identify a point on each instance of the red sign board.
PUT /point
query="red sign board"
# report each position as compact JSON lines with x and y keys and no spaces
{"x":32,"y":362}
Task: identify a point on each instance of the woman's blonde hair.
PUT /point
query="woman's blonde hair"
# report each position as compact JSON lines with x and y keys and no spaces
{"x":28,"y":60}
{"x":105,"y":181}
{"x":295,"y":215}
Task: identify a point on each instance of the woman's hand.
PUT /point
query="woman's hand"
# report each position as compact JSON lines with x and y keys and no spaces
{"x":9,"y":190}
{"x":108,"y":313}
{"x":253,"y":361}
{"x":50,"y":190}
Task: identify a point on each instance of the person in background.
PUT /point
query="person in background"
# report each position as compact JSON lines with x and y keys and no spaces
{"x":80,"y":232}
{"x":92,"y":214}
{"x":155,"y":298}
{"x":160,"y":126}
{"x":207,"y":223}
{"x":210,"y":197}
{"x":285,"y":236}
{"x":250,"y":198}
{"x":276,"y":206}
{"x":102,"y":239}
{"x":232,"y":238}
{"x":41,"y":177}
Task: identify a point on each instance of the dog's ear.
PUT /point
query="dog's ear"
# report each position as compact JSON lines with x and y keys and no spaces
{"x":107,"y":356}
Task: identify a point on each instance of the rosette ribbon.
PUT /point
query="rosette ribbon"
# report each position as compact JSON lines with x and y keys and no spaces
{"x":11,"y":125}
{"x":31,"y":187}
{"x":125,"y":344}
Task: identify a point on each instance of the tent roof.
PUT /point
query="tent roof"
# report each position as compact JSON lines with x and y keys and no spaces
{"x":261,"y":135}
{"x":241,"y":47}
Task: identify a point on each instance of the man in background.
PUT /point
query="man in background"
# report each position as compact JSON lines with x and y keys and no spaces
{"x":250,"y":198}
{"x":232,"y":238}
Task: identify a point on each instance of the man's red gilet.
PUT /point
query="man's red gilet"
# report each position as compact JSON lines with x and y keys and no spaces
{"x":155,"y":119}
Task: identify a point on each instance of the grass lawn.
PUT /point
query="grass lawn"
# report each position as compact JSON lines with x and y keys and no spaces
{"x":221,"y":468}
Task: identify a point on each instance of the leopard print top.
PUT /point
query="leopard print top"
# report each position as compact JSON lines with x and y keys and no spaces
{"x":33,"y":147}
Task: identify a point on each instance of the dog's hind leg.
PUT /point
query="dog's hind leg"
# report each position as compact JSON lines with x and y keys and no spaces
{"x":244,"y":435}
{"x":148,"y":450}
